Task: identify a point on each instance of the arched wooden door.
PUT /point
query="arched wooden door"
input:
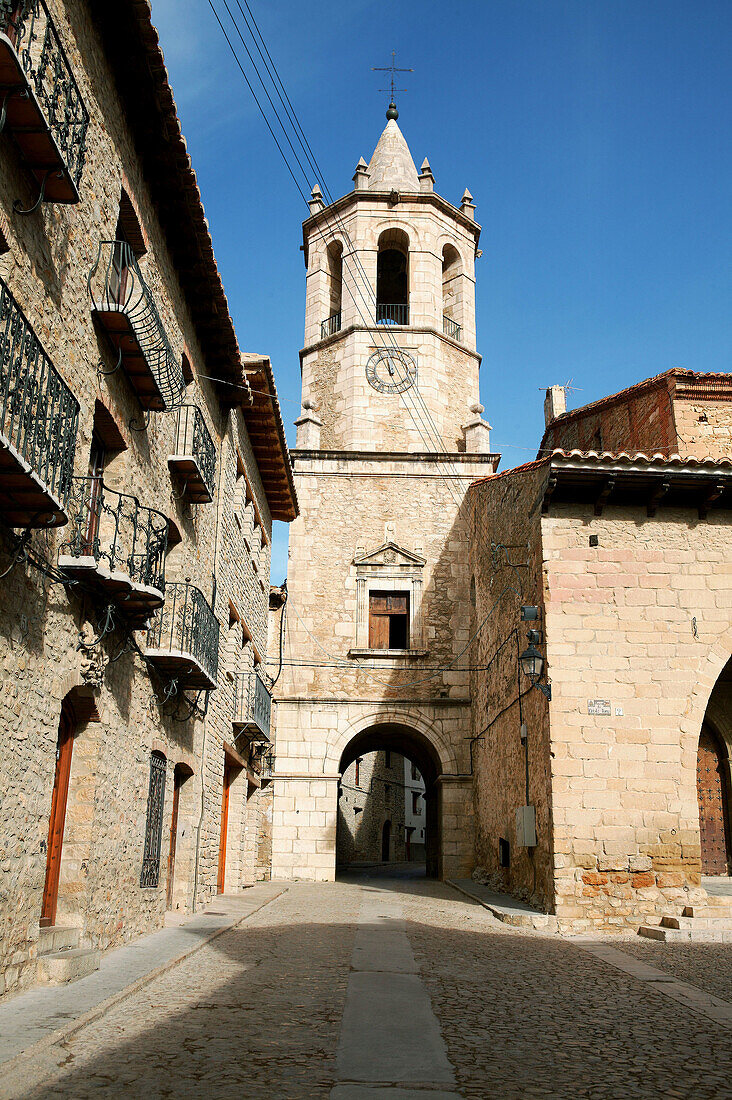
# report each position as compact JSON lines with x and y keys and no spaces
{"x":57,"y":820}
{"x":713,"y":810}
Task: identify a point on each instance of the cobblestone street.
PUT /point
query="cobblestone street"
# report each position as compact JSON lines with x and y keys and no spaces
{"x":303,"y":1000}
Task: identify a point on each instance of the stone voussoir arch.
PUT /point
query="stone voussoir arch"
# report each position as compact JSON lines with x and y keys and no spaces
{"x":710,"y":670}
{"x":392,"y":716}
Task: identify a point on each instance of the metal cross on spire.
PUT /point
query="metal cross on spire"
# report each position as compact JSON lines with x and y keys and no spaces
{"x":392,"y":112}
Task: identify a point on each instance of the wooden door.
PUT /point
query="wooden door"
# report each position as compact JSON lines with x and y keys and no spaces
{"x":177,"y":780}
{"x":713,"y":816}
{"x":64,"y":747}
{"x":228,"y":776}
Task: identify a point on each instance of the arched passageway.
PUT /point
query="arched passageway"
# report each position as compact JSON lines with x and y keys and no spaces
{"x":714,"y":779}
{"x":398,"y":797}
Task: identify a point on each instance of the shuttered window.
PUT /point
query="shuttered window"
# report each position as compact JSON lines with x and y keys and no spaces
{"x":389,"y":620}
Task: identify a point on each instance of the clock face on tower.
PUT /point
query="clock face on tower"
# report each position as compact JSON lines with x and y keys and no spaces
{"x":391,"y":370}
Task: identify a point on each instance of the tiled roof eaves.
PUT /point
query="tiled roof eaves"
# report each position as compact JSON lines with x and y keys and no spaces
{"x":626,"y":462}
{"x":132,"y":45}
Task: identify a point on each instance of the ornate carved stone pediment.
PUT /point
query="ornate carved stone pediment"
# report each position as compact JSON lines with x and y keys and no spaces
{"x":388,"y":555}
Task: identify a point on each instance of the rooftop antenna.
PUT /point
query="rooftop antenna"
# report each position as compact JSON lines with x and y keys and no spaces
{"x":392,"y":111}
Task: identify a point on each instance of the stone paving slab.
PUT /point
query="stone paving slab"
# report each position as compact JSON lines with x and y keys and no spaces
{"x":364,"y":1092}
{"x":49,"y":1013}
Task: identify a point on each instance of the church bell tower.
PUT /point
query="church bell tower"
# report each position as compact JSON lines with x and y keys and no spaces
{"x":390,"y":436}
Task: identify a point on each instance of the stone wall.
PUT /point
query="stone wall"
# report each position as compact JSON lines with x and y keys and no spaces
{"x":506,"y":572}
{"x":364,"y":807}
{"x":50,"y":256}
{"x":641,"y":621}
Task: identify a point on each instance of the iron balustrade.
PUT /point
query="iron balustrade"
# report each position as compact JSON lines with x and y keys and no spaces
{"x":330,"y":325}
{"x":186,"y":624}
{"x":116,"y":287}
{"x":252,"y":703}
{"x":115,"y":529}
{"x":193,"y":439}
{"x":39,"y":415}
{"x":392,"y":314}
{"x":33,"y":35}
{"x":451,"y":328}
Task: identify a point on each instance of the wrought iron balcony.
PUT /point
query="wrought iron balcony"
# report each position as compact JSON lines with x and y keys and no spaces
{"x":252,"y":706}
{"x":126,"y":310}
{"x":397,"y":314}
{"x":118,"y":546}
{"x":330,"y":325}
{"x":39,"y":419}
{"x":183,"y":638}
{"x":452,"y":328}
{"x":195,"y":456}
{"x":40,"y":100}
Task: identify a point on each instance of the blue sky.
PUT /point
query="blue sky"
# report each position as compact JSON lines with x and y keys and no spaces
{"x":594,"y":136}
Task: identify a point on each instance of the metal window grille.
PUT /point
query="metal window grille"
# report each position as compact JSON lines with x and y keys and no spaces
{"x":451,"y":328}
{"x":39,"y":415}
{"x":252,"y":702}
{"x":193,"y":438}
{"x":185,"y":623}
{"x":115,"y":528}
{"x":116,"y":285}
{"x":150,"y":875}
{"x":392,"y":314}
{"x":49,"y":74}
{"x":330,"y":325}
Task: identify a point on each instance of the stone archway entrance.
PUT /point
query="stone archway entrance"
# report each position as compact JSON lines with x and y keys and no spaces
{"x":414,"y":747}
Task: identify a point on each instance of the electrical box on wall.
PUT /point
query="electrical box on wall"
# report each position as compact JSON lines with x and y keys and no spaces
{"x":526,"y":827}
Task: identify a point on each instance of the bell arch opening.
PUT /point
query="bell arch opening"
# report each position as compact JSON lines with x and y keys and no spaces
{"x":392,"y":278}
{"x":389,"y":802}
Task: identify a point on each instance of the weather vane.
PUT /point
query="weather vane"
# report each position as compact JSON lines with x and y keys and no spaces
{"x":392,"y":112}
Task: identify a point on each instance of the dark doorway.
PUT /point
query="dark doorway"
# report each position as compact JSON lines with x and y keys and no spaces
{"x":385,"y":841}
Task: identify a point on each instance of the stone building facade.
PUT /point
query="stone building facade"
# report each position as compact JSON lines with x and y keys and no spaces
{"x":389,"y":440}
{"x":142,"y":460}
{"x":625,"y":553}
{"x":380,"y":811}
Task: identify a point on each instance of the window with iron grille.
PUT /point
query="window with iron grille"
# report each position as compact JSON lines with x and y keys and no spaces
{"x":154,"y":828}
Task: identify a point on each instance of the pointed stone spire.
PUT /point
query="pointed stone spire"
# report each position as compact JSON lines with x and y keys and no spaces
{"x":467,"y":205}
{"x":361,"y":175}
{"x":391,"y":167}
{"x":426,"y":179}
{"x":315,"y":202}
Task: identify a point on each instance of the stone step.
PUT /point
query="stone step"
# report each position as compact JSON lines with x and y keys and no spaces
{"x":722,"y":924}
{"x":685,"y":935}
{"x":57,"y":938}
{"x":720,"y":908}
{"x":68,"y":965}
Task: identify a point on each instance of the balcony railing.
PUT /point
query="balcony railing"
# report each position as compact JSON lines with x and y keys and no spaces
{"x":252,"y":705}
{"x":392,"y":314}
{"x":42,"y":105}
{"x":39,"y":419}
{"x":195,"y":456}
{"x":330,"y":325}
{"x":183,"y":638}
{"x":118,"y":545}
{"x":125,"y":307}
{"x":451,"y":328}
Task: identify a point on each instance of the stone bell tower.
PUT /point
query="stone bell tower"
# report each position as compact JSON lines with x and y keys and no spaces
{"x":390,"y":436}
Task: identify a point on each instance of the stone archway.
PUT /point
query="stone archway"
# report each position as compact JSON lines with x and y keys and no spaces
{"x":412,"y":744}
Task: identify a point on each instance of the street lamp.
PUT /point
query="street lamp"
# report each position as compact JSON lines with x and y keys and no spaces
{"x":532,"y":662}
